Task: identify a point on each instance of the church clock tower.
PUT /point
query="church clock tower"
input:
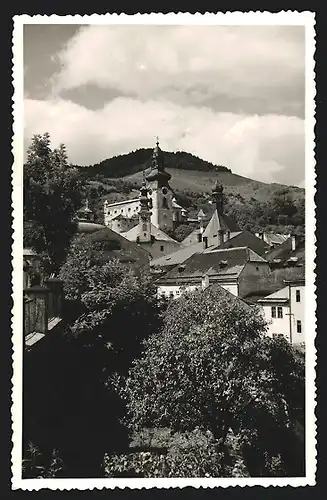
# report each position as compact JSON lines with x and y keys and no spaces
{"x":161,"y":193}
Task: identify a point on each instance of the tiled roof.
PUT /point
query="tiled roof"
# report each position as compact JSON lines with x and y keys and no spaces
{"x":285,"y":252}
{"x":134,"y":200}
{"x":88,"y":227}
{"x":159,"y":235}
{"x":120,"y":247}
{"x":282,"y":294}
{"x":177,"y":257}
{"x":247,"y":239}
{"x":275,"y":280}
{"x":227,"y":262}
{"x":219,"y":222}
{"x":275,"y":238}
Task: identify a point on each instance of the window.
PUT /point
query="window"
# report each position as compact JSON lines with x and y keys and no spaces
{"x":144,"y":234}
{"x":129,"y":209}
{"x":279,"y":311}
{"x":164,"y":203}
{"x":161,"y":248}
{"x":273,"y":311}
{"x":115,"y":211}
{"x":299,"y":326}
{"x":171,"y":295}
{"x":298,"y":295}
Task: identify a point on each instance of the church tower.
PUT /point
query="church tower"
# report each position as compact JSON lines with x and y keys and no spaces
{"x":144,"y":235}
{"x":161,"y":193}
{"x":217,"y":198}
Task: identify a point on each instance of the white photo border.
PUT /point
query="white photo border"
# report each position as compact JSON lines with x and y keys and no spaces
{"x":306,"y":19}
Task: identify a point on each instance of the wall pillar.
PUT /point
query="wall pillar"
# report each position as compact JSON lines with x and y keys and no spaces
{"x":38,"y":310}
{"x":56,"y":289}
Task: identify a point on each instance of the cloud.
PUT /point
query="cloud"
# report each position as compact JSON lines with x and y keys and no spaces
{"x":243,"y":69}
{"x":267,"y":148}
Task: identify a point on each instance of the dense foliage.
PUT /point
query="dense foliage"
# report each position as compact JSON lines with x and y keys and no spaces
{"x":136,"y":161}
{"x":53,"y":192}
{"x":212,"y":367}
{"x":118,"y":307}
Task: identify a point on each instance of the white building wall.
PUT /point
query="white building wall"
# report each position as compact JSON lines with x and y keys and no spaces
{"x":298,"y":313}
{"x":125,"y":209}
{"x":176,"y":290}
{"x":277,"y":325}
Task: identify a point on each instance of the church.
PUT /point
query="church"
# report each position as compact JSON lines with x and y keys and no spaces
{"x":147,"y":220}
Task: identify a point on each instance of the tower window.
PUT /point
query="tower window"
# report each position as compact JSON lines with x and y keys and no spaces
{"x":161,"y":248}
{"x":164,"y":190}
{"x":164,"y":202}
{"x":299,"y":326}
{"x":298,"y":295}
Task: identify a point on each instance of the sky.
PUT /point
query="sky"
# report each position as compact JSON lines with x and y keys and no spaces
{"x":231,"y":95}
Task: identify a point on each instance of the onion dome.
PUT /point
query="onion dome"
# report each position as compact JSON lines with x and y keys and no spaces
{"x":158,"y":172}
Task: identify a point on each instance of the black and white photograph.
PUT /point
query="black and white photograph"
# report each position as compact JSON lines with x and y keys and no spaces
{"x":163,"y":255}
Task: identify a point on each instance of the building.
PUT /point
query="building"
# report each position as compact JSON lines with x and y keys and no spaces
{"x":221,"y":232}
{"x":146,"y":234}
{"x":273,"y":239}
{"x":230,"y":268}
{"x":284,"y":311}
{"x":114,"y":246}
{"x":166,"y":213}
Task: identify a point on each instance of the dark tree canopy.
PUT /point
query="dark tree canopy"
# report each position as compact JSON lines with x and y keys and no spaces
{"x":52,"y":194}
{"x":212,"y":367}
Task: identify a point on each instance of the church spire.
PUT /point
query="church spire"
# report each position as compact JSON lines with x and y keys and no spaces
{"x":158,"y":172}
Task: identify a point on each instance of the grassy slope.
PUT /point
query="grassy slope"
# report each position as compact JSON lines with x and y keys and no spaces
{"x":202,"y":182}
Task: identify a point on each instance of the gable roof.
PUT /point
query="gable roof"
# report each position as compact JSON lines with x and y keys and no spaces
{"x":274,"y":281}
{"x":219,"y":222}
{"x":246,"y":239}
{"x":284,"y":252}
{"x":117,"y":203}
{"x":274,"y":238}
{"x":224,"y":262}
{"x":177,"y":257}
{"x":281,"y":295}
{"x":159,"y":235}
{"x":120,"y":247}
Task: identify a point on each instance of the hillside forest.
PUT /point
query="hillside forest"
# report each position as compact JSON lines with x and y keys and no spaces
{"x":255,"y":206}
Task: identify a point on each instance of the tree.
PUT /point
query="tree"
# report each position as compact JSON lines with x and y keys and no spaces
{"x":212,"y":367}
{"x":182,"y":231}
{"x":52,"y":194}
{"x":118,"y":305}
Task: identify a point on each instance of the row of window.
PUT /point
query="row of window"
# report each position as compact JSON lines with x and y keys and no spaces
{"x":280,"y":315}
{"x":122,"y":210}
{"x":279,"y":312}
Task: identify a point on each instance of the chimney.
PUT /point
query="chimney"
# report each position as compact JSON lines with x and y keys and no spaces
{"x":205,"y":242}
{"x":293,"y":243}
{"x":221,"y":237}
{"x":205,"y":282}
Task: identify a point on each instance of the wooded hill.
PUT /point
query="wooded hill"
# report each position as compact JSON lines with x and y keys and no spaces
{"x":256,"y":205}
